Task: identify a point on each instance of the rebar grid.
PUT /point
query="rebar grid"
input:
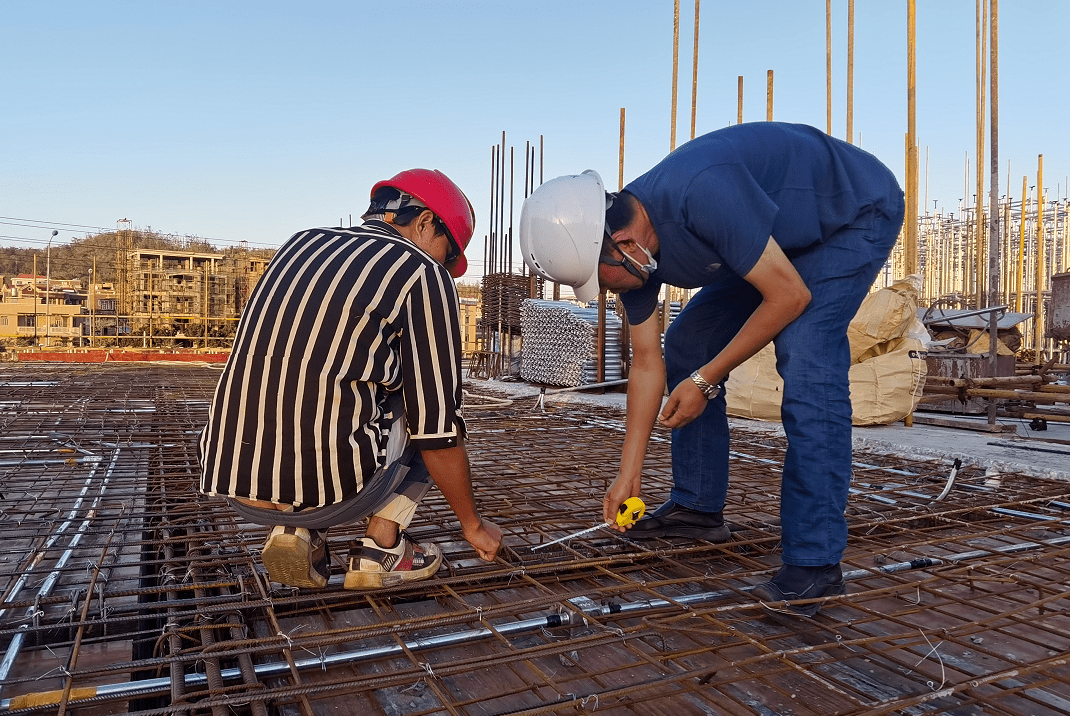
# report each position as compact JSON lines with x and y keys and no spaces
{"x":124,"y":589}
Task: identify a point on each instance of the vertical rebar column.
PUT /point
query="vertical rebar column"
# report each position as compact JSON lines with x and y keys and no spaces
{"x":1020,"y":278}
{"x":1007,"y":253}
{"x":739,"y":101}
{"x":851,"y":79}
{"x":675,"y":69}
{"x":625,"y":338}
{"x":524,"y":264}
{"x":1038,"y":314}
{"x":204,"y":283}
{"x":910,"y":232}
{"x":769,"y":96}
{"x":501,"y":205}
{"x":509,"y":234}
{"x":828,"y":67}
{"x":1066,"y":234}
{"x":488,"y":266}
{"x":1010,"y":255}
{"x":970,"y":285}
{"x":980,"y":292}
{"x":694,"y":76}
{"x":993,"y":196}
{"x":925,"y":204}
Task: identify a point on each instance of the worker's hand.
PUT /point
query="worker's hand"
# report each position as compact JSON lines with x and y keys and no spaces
{"x":486,"y":538}
{"x":621,"y":489}
{"x":686,"y":402}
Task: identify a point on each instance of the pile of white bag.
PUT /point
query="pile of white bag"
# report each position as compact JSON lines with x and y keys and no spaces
{"x":887,"y":375}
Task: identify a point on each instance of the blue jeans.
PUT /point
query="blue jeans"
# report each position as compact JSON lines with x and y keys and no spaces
{"x":813,"y":357}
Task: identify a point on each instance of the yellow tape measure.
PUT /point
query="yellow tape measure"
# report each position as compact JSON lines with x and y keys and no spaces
{"x":630,"y":511}
{"x":627,"y":514}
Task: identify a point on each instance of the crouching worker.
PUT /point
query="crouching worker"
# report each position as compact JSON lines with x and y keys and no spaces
{"x":342,"y":396}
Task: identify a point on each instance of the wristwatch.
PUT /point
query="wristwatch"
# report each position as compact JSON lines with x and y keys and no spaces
{"x":708,"y":389}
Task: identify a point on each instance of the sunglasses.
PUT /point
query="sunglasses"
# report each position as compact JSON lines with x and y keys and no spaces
{"x":454,"y":251}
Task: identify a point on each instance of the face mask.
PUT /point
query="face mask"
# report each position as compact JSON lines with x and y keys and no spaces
{"x":634,"y":267}
{"x":651,"y":263}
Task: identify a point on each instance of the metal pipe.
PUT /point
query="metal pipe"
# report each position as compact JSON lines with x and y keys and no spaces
{"x":588,"y":386}
{"x":53,"y":538}
{"x":50,"y":581}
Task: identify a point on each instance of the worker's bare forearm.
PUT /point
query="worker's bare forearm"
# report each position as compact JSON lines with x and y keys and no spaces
{"x":451,"y":472}
{"x":763,"y":326}
{"x":646,"y":388}
{"x":784,"y":298}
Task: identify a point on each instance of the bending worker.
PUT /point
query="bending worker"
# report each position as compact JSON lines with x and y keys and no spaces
{"x":784,"y":229}
{"x":342,"y":395}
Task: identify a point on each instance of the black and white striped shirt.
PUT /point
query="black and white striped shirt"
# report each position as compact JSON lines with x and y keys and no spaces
{"x":341,"y":318}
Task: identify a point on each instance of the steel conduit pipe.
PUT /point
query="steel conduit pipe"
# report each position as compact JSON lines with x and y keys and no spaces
{"x":50,"y":581}
{"x":25,"y":576}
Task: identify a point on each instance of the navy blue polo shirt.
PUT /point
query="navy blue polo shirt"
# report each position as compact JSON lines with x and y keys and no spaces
{"x":715,"y":201}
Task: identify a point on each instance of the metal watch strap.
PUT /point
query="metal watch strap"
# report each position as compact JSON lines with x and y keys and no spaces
{"x":708,"y":389}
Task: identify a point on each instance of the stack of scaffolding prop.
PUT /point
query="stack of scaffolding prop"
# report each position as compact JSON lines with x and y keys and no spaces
{"x":561,"y":344}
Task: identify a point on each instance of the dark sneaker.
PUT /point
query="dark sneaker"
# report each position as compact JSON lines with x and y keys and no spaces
{"x":794,"y":583}
{"x":297,"y":557}
{"x":372,"y":566}
{"x":673,"y":520}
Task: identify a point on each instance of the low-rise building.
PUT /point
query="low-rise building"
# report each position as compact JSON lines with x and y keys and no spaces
{"x":43,"y":316}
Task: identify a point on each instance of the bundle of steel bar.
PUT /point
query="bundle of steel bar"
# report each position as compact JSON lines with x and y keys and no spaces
{"x":1018,"y":395}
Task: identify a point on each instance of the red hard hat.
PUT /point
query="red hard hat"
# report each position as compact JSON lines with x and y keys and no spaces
{"x":445,"y":199}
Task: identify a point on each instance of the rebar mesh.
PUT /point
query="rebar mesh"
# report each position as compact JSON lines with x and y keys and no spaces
{"x":126,"y":590}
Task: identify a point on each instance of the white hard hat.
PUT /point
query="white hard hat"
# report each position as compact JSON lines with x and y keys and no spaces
{"x":561,"y":228}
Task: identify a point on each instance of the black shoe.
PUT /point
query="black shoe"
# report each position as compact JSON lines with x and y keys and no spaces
{"x":673,"y":520}
{"x":793,"y":582}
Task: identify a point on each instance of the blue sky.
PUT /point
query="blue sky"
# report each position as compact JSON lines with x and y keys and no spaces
{"x":248,"y":121}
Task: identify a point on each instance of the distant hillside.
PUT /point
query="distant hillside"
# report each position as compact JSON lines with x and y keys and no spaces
{"x":75,"y":259}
